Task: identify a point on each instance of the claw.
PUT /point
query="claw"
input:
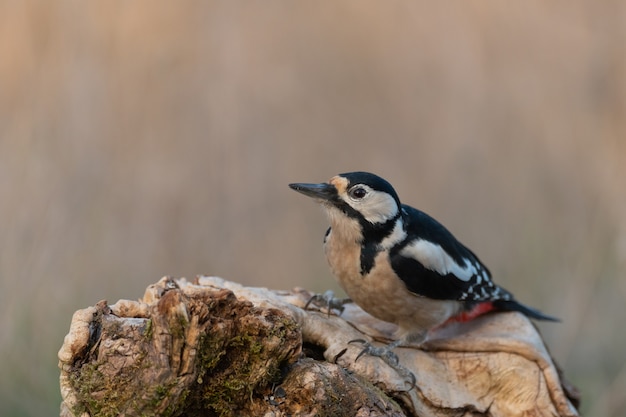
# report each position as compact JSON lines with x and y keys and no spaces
{"x":367,"y":348}
{"x":329,"y":301}
{"x":388,"y":356}
{"x":413,"y":380}
{"x":339,"y":355}
{"x":384,"y":352}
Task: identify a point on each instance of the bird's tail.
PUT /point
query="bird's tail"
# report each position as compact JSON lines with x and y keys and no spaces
{"x":512,"y":305}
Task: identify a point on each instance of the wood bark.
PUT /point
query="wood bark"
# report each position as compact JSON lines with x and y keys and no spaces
{"x":215,"y":348}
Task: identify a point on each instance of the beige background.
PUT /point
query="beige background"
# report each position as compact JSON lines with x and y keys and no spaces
{"x":139,"y":139}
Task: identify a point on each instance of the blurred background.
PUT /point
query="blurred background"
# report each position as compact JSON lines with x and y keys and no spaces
{"x":142,"y":139}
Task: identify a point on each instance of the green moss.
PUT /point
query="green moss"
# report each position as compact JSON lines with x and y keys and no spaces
{"x":89,"y":381}
{"x":177,"y":326}
{"x":233,"y":362}
{"x":210,"y":352}
{"x":224,"y":386}
{"x":84,"y":383}
{"x":247,"y":341}
{"x":148,"y":330}
{"x":106,"y":396}
{"x":160,"y":393}
{"x":284,"y":326}
{"x":231,"y":369}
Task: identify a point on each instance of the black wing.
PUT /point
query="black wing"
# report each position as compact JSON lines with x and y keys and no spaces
{"x":434,"y":264}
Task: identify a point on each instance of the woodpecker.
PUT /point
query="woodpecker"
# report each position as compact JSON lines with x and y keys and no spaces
{"x":401,"y":265}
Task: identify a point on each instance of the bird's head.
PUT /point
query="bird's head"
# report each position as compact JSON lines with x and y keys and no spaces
{"x":361,"y":196}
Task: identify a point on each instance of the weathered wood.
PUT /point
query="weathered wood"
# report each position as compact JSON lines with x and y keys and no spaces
{"x":214,"y":347}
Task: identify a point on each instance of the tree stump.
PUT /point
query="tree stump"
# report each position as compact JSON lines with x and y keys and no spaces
{"x":215,"y":348}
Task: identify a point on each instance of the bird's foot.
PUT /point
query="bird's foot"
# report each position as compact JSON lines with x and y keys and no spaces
{"x":384,"y":352}
{"x":328,"y":301}
{"x":389,"y":357}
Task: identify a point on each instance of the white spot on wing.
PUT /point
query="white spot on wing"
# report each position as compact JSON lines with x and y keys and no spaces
{"x":435,"y":258}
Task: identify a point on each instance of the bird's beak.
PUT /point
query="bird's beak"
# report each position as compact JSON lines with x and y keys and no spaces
{"x":321,"y":191}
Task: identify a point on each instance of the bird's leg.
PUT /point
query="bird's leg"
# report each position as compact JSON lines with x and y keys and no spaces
{"x":388,"y":356}
{"x":328,"y":301}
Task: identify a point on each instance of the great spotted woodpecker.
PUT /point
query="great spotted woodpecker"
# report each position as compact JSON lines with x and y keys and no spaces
{"x":401,"y":265}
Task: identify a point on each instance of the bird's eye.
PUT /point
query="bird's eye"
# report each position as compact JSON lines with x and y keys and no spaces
{"x":358,"y":193}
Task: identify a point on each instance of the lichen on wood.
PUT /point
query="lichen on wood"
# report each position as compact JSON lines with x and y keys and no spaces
{"x":215,"y":348}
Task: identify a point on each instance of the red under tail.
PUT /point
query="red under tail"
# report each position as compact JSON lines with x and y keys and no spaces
{"x":477,"y":310}
{"x":497,"y":305}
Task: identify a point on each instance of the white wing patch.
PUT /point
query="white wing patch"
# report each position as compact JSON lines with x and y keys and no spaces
{"x":433,"y":257}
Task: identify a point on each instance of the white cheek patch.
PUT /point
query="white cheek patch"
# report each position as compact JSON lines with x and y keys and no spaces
{"x":377,"y":207}
{"x":433,"y":257}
